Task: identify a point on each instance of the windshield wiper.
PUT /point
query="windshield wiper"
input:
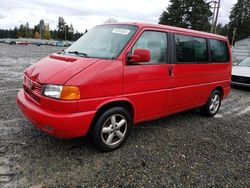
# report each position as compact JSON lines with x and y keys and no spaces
{"x":78,"y":53}
{"x":62,"y":52}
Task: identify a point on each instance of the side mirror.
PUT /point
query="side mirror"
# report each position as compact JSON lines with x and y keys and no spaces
{"x":140,"y":55}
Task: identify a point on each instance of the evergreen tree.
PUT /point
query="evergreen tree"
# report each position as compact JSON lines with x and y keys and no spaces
{"x":187,"y":14}
{"x":14,"y":33}
{"x":61,"y":28}
{"x":28,"y":31}
{"x":24,"y":31}
{"x":222,"y":30}
{"x":77,"y":35}
{"x":71,"y":33}
{"x":53,"y":34}
{"x":240,"y":20}
{"x":36,"y":29}
{"x":21,"y":31}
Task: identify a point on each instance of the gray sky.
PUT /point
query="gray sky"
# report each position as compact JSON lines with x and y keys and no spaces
{"x":87,"y":13}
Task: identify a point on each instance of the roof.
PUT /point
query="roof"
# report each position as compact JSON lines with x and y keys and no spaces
{"x":172,"y":28}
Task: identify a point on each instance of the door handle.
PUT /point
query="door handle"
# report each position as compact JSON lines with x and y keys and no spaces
{"x":170,"y":71}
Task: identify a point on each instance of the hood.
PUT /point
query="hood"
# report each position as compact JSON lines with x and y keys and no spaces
{"x":57,"y":69}
{"x":241,"y":71}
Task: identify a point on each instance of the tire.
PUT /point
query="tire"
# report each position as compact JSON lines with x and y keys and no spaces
{"x":212,"y":106}
{"x":111,"y":129}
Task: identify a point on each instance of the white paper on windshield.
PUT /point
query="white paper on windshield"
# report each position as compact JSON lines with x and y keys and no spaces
{"x":121,"y":31}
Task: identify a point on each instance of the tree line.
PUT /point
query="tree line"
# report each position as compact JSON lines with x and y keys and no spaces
{"x":42,"y":31}
{"x":198,"y":15}
{"x":190,"y":14}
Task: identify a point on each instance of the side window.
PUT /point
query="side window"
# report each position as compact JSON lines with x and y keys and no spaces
{"x":184,"y":48}
{"x":156,"y":43}
{"x":219,"y":51}
{"x":200,"y":49}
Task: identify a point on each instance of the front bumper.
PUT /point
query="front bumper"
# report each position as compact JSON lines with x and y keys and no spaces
{"x":61,"y":125}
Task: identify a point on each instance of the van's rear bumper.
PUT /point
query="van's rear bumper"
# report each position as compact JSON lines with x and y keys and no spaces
{"x":56,"y":124}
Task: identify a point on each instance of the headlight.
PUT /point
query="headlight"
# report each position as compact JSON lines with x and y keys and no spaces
{"x":53,"y":91}
{"x":62,"y":92}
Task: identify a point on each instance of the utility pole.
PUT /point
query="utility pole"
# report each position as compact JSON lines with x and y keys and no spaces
{"x":65,"y":32}
{"x":40,"y":31}
{"x":212,"y":27}
{"x":216,"y":18}
{"x":215,"y":15}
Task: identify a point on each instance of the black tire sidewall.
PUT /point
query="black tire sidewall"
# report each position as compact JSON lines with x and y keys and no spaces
{"x":96,"y":133}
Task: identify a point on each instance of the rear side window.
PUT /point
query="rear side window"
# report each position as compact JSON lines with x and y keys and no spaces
{"x":200,"y":50}
{"x":184,"y":48}
{"x":191,"y":49}
{"x":219,"y":51}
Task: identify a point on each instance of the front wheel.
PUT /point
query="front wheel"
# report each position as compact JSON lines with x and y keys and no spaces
{"x":112,"y":129}
{"x":213,"y":104}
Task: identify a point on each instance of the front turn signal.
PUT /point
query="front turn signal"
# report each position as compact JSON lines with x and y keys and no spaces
{"x":70,"y":93}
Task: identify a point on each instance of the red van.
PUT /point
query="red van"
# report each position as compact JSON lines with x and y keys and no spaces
{"x":117,"y":75}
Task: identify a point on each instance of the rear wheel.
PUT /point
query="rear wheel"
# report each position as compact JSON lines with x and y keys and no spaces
{"x":213,"y":104}
{"x":112,"y":129}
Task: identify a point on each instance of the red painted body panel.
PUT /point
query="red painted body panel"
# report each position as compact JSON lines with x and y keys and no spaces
{"x":102,"y":79}
{"x":147,"y":86}
{"x":57,"y":70}
{"x":62,"y":125}
{"x":149,"y":89}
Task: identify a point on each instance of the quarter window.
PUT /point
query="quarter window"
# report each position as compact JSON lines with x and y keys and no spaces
{"x":156,"y":43}
{"x":219,"y":51}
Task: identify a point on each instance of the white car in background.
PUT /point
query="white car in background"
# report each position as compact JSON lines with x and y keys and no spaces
{"x":241,"y":73}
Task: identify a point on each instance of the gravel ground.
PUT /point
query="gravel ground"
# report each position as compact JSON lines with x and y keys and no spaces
{"x":184,"y":150}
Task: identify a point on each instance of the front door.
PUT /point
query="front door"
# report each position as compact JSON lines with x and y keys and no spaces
{"x":146,"y":84}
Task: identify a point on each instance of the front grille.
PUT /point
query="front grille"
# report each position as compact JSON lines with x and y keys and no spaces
{"x":32,"y":88}
{"x":30,"y":93}
{"x":241,"y":79}
{"x":37,"y":88}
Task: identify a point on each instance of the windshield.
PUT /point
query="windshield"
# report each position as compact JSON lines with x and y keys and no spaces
{"x":245,"y":62}
{"x":105,"y":41}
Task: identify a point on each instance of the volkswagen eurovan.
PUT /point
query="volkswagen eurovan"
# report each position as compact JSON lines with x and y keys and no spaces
{"x":118,"y":75}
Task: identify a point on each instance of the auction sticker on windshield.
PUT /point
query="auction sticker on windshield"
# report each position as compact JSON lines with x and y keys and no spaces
{"x":121,"y":31}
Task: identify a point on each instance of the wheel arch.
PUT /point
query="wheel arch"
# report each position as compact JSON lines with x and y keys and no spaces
{"x":125,"y":103}
{"x":220,"y":89}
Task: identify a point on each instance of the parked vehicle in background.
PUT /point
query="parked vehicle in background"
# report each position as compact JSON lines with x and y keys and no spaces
{"x":38,"y":42}
{"x":23,"y":42}
{"x":2,"y":41}
{"x":118,"y":75}
{"x":12,"y":42}
{"x":9,"y":41}
{"x":241,"y":73}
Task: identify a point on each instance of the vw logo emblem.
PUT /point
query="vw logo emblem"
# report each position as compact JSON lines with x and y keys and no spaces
{"x":30,"y":84}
